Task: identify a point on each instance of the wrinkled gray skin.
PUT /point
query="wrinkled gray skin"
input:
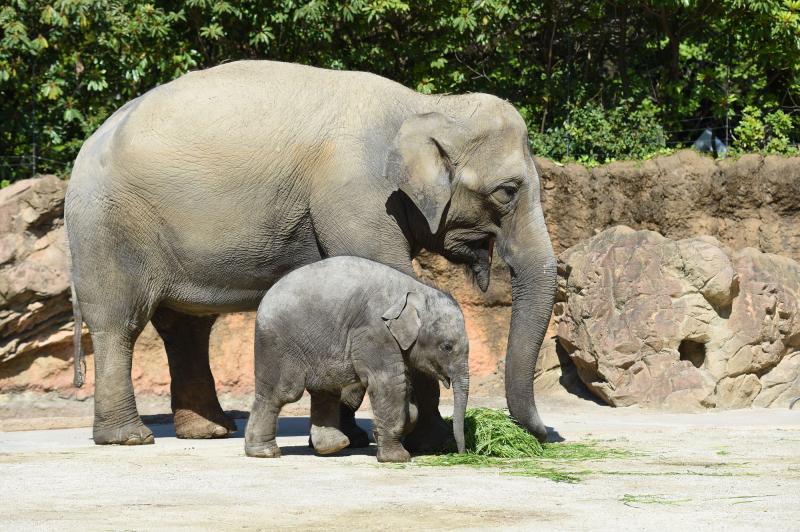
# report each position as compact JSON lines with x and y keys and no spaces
{"x":347,"y":323}
{"x":195,"y":198}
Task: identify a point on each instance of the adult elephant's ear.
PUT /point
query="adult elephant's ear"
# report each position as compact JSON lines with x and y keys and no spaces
{"x":403,"y":321}
{"x":421,"y":162}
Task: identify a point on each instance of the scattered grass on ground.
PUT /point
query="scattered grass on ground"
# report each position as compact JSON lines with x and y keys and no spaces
{"x":493,"y":433}
{"x":632,"y":500}
{"x":525,"y":467}
{"x":686,"y":473}
{"x":493,"y":439}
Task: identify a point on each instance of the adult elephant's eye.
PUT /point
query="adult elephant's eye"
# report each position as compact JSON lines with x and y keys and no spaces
{"x":447,"y":346}
{"x":504,"y":194}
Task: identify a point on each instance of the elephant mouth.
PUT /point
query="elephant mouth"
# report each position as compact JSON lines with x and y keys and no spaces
{"x":475,"y":253}
{"x":481,"y":266}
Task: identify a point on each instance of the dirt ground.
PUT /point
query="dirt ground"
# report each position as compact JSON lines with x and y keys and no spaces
{"x":716,"y":470}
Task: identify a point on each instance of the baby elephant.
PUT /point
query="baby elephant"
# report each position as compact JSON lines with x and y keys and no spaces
{"x":349,"y":324}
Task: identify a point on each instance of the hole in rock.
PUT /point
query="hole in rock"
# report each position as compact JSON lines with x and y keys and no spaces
{"x":694,"y":352}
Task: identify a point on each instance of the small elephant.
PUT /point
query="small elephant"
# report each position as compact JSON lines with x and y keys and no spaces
{"x":344,"y":325}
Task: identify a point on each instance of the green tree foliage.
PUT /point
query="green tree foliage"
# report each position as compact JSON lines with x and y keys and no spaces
{"x":593,"y":134}
{"x":768,"y":133}
{"x":595,"y":80}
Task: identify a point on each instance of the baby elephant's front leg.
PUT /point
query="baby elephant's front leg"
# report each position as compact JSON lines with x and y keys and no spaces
{"x":392,"y":412}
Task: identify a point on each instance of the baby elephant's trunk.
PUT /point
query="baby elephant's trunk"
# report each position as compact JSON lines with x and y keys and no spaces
{"x":460,"y":394}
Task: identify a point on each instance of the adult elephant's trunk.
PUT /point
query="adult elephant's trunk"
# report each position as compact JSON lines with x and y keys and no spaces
{"x":460,"y":378}
{"x":528,"y":252}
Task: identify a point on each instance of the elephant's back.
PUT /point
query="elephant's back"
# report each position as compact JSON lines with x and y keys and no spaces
{"x":236,"y":116}
{"x":332,"y":288}
{"x":237,"y":133}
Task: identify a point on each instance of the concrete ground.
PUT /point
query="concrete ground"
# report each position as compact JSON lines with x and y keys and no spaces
{"x":716,"y":470}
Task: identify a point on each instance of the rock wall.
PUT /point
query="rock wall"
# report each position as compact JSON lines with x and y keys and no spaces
{"x":681,"y":324}
{"x":35,"y":310}
{"x":752,"y":201}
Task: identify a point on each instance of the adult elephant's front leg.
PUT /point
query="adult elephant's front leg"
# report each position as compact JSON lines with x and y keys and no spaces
{"x":198,"y":414}
{"x":431,"y":433}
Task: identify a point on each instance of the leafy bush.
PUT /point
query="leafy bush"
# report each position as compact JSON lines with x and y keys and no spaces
{"x":778,"y":128}
{"x":768,"y":134}
{"x":749,"y":134}
{"x":592,"y":134}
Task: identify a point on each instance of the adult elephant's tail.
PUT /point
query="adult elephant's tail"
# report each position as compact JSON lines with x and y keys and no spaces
{"x":80,"y":363}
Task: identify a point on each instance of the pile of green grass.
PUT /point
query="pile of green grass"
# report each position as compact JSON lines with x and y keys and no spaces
{"x":493,"y":433}
{"x":489,"y":432}
{"x":494,"y":439}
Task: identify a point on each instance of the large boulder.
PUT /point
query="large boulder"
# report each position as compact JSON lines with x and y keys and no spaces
{"x":680,"y":324}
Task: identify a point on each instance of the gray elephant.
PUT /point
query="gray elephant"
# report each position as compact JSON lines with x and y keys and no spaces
{"x":195,"y":198}
{"x":345,"y":323}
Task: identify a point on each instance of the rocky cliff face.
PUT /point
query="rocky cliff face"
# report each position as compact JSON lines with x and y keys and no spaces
{"x":681,"y":324}
{"x":752,"y":201}
{"x":35,"y":311}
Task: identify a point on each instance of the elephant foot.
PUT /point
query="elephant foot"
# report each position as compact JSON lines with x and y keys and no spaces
{"x":393,"y":454}
{"x":191,"y":425}
{"x":429,"y":436}
{"x":268,"y":449}
{"x":134,"y":433}
{"x":328,"y":440}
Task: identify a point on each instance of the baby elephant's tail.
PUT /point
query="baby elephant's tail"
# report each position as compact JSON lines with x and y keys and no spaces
{"x":80,"y":363}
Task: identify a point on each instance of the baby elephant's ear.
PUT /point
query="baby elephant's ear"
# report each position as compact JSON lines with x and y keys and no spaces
{"x":403,"y":321}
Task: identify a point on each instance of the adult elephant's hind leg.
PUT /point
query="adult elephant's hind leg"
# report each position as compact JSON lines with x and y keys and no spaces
{"x":116,"y":420}
{"x":198,"y":414}
{"x":115,"y":322}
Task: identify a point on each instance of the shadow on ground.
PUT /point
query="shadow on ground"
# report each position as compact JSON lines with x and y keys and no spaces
{"x":288,"y":426}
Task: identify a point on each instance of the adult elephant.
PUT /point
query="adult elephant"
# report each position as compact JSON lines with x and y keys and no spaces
{"x":193,"y":199}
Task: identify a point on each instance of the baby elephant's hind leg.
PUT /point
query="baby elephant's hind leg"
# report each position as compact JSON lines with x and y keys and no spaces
{"x":262,"y":427}
{"x":352,"y":397}
{"x":326,"y":438}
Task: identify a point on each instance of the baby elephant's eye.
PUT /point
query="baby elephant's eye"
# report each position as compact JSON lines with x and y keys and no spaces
{"x":447,"y":346}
